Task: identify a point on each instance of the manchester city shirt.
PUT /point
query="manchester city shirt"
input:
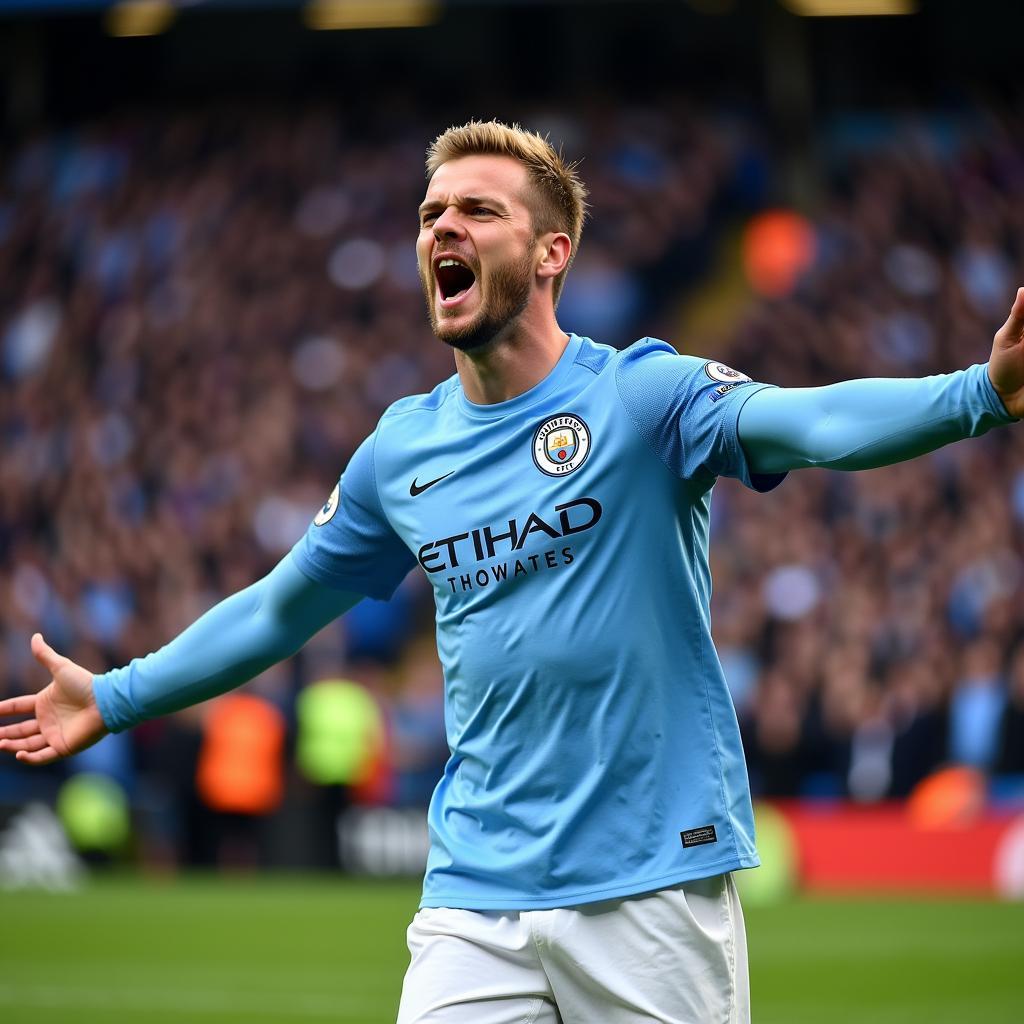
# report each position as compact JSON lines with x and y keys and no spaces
{"x":594,"y":747}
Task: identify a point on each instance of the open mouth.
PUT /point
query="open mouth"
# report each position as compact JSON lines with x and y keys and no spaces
{"x":454,"y":280}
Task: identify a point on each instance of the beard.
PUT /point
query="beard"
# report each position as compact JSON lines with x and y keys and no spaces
{"x":508,"y":292}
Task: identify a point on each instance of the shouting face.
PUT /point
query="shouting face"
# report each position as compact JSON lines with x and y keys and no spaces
{"x":476,"y":248}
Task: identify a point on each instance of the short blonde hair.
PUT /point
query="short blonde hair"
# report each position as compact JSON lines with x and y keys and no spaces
{"x":559,"y":196}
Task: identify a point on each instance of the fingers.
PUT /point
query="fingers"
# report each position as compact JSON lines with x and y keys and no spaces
{"x":46,"y":655}
{"x":1013,"y":329}
{"x":30,"y":743}
{"x":47,"y":755}
{"x":19,"y":730}
{"x":25,"y":705}
{"x":22,"y":736}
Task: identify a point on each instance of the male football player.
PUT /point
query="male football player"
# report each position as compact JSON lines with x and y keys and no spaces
{"x":555,"y":492}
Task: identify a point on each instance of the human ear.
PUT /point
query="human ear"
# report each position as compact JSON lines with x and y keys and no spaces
{"x":555,"y":249}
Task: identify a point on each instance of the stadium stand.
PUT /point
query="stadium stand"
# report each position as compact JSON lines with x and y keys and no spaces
{"x":202,"y":313}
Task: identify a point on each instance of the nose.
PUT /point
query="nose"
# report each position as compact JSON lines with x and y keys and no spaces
{"x":448,"y":224}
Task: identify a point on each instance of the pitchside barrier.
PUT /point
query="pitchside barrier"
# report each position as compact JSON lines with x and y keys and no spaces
{"x":813,"y":846}
{"x":950,"y":838}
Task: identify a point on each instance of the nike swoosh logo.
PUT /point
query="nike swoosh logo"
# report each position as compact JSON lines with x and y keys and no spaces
{"x":415,"y":488}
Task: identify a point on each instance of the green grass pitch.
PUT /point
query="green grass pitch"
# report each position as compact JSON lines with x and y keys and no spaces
{"x":300,"y":950}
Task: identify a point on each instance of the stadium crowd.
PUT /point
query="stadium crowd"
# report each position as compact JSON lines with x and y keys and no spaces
{"x":202,"y":313}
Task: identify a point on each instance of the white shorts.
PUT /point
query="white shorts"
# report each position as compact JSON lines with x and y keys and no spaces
{"x":678,"y":956}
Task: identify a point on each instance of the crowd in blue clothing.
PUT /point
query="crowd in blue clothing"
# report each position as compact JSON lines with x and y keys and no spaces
{"x":203,"y":313}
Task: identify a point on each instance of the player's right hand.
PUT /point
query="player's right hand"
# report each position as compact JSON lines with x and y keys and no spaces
{"x":64,"y":716}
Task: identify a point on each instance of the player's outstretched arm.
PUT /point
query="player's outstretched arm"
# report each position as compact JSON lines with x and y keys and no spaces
{"x":233,"y":642}
{"x":863,"y":424}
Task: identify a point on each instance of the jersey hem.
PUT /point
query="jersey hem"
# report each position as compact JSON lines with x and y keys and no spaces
{"x":101,"y":686}
{"x":995,"y":400}
{"x":760,"y":482}
{"x":573,"y":899}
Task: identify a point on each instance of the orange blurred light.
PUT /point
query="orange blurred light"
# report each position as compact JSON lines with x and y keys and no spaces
{"x":949,"y":798}
{"x":139,"y":18}
{"x":354,"y":14}
{"x":850,"y":8}
{"x":778,"y":246}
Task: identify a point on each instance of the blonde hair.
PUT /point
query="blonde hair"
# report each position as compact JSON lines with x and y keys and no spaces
{"x":559,"y":199}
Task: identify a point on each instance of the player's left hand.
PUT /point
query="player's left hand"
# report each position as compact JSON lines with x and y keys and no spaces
{"x":64,"y":716}
{"x":1006,"y":364}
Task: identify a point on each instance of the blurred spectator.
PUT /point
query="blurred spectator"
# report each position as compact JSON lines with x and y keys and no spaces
{"x":339,"y":748}
{"x":916,"y":709}
{"x":240,"y":774}
{"x":1010,"y":757}
{"x":977,"y":706}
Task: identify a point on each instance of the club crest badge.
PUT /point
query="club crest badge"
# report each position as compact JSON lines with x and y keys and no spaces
{"x":326,"y":514}
{"x":724,"y":374}
{"x":561,"y":444}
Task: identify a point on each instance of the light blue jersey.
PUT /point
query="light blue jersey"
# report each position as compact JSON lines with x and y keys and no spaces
{"x":594,"y":747}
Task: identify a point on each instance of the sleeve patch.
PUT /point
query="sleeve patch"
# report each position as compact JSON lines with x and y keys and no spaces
{"x":724,"y":374}
{"x":723,"y":389}
{"x":326,"y":514}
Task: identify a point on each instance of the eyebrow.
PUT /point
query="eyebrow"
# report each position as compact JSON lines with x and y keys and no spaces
{"x":437,"y":204}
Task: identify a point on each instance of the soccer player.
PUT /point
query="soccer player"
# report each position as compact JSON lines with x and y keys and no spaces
{"x":555,"y":492}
